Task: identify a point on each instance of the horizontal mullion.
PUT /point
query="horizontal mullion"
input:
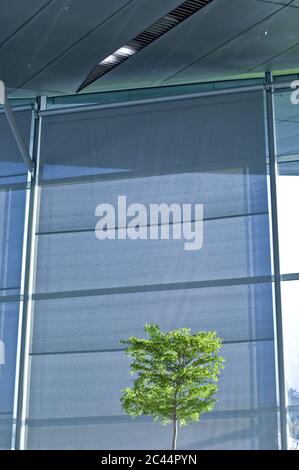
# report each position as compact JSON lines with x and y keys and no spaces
{"x":290,"y":277}
{"x":10,"y":298}
{"x":9,"y":288}
{"x":7,"y":296}
{"x":118,"y":419}
{"x":154,"y":287}
{"x":14,"y":186}
{"x":13,"y":175}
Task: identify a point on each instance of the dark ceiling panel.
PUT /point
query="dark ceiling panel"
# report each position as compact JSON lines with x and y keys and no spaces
{"x":287,"y":60}
{"x":245,"y":53}
{"x":50,"y":46}
{"x":285,"y":34}
{"x":292,"y":3}
{"x":279,"y":2}
{"x":197,"y":36}
{"x":15,"y":13}
{"x":49,"y":33}
{"x":283,"y":110}
{"x":68,"y":72}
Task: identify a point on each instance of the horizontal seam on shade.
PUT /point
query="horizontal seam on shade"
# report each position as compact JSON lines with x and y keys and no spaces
{"x":224,"y":217}
{"x":13,"y":176}
{"x":101,"y":351}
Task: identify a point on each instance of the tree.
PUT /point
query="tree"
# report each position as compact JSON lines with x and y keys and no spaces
{"x":175,"y":375}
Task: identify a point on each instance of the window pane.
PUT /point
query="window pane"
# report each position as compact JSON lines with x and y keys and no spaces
{"x":287,"y":129}
{"x":12,"y":167}
{"x":9,"y":317}
{"x":290,"y":305}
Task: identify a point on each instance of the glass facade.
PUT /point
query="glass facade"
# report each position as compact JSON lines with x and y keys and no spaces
{"x":88,"y":294}
{"x":13,"y":178}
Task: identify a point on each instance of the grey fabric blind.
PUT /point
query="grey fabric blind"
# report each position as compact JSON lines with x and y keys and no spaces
{"x":97,"y":378}
{"x":231,"y":192}
{"x":9,"y":315}
{"x":154,"y":138}
{"x":89,"y":293}
{"x":12,"y":206}
{"x":247,"y":430}
{"x":239,"y":313}
{"x":226,"y":254}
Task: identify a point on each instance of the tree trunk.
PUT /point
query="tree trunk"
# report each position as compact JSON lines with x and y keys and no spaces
{"x":174,"y":433}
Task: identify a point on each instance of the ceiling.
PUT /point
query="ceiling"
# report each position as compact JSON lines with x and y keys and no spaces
{"x":50,"y":46}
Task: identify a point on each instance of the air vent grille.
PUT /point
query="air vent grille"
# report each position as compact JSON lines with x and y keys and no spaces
{"x":149,"y":35}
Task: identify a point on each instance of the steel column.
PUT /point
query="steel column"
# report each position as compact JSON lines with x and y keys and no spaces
{"x":27,"y":286}
{"x":276,"y":258}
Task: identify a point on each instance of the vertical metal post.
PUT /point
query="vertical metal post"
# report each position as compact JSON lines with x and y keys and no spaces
{"x":276,"y":259}
{"x":28,"y":205}
{"x":27,"y":285}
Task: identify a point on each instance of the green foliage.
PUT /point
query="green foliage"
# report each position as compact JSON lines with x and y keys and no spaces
{"x":175,"y":374}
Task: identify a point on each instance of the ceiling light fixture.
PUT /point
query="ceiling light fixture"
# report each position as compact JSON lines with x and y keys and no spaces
{"x":125,"y":51}
{"x":149,"y":35}
{"x":122,"y":52}
{"x":111,"y":59}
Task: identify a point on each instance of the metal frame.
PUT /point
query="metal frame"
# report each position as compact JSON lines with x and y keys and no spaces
{"x":22,"y":300}
{"x":27,"y":284}
{"x":21,"y":397}
{"x":275,"y":256}
{"x":162,"y":99}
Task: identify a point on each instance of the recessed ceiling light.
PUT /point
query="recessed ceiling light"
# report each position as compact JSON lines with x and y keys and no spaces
{"x":118,"y":56}
{"x":149,"y":35}
{"x":111,"y":59}
{"x":125,"y":50}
